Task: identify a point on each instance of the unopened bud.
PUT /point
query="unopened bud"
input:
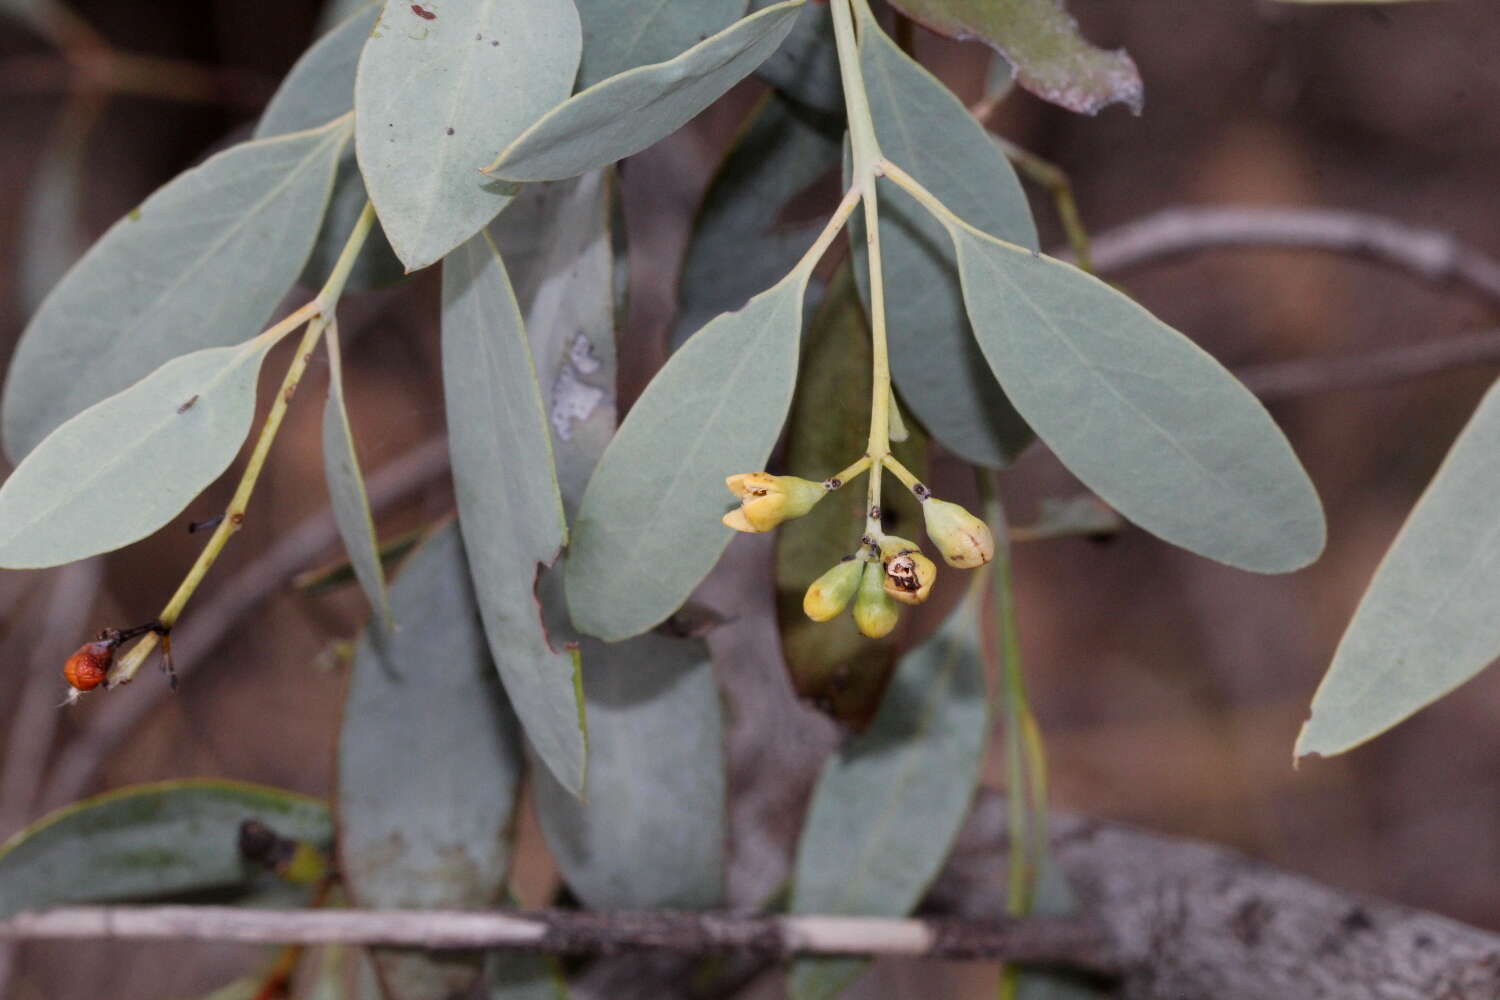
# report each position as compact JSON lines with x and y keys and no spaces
{"x":874,"y":612}
{"x":830,"y":593}
{"x":963,"y":539}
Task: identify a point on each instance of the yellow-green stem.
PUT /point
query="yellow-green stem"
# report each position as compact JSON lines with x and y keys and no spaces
{"x":317,"y":314}
{"x":843,"y":476}
{"x":901,"y":472}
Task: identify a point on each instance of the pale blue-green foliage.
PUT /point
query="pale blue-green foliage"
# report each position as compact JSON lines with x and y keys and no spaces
{"x":1144,"y":417}
{"x":346,"y":487}
{"x":438,"y":97}
{"x":648,"y":528}
{"x":201,"y":263}
{"x":154,"y":841}
{"x":806,"y":66}
{"x":1428,"y":622}
{"x":889,"y":803}
{"x":123,"y":468}
{"x":626,"y":113}
{"x":430,"y":765}
{"x":508,"y":500}
{"x":937,"y":366}
{"x":618,"y":36}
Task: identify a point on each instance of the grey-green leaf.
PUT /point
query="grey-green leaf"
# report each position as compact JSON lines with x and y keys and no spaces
{"x":201,"y":263}
{"x":889,"y":803}
{"x":123,"y":468}
{"x":652,"y":831}
{"x":1050,"y":57}
{"x":627,"y":113}
{"x":648,"y":529}
{"x":806,"y":66}
{"x":508,"y":500}
{"x":740,"y":246}
{"x":152,"y":841}
{"x":938,"y":368}
{"x":429,"y":766}
{"x":346,"y":487}
{"x":1427,"y":623}
{"x":439,"y":93}
{"x":619,"y":35}
{"x":1143,"y":416}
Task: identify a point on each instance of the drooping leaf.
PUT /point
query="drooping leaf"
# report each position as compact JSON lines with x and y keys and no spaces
{"x":346,"y":487}
{"x":938,"y":368}
{"x":508,"y":501}
{"x":831,"y":663}
{"x":429,"y":766}
{"x":652,"y":831}
{"x":1143,"y":416}
{"x":201,"y":263}
{"x":439,"y":93}
{"x":627,"y":113}
{"x":1050,"y":57}
{"x":889,"y":803}
{"x":806,"y":66}
{"x":319,"y":88}
{"x":1427,"y":622}
{"x":648,"y":529}
{"x":123,"y":468}
{"x":619,"y":35}
{"x":740,"y":245}
{"x":153,"y":841}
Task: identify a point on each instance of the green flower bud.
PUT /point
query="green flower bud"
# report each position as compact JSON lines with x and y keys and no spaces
{"x":830,"y":593}
{"x":874,"y":611}
{"x":963,"y":539}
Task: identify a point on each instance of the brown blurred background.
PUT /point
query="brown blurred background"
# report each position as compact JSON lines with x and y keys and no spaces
{"x":1170,"y":688}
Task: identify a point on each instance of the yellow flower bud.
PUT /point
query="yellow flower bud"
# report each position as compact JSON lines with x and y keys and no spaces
{"x":831,"y":592}
{"x":874,"y":611}
{"x":767,"y":500}
{"x":909,"y":576}
{"x":963,"y":539}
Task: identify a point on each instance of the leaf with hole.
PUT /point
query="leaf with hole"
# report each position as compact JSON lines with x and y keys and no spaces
{"x":1142,"y":415}
{"x":201,"y":263}
{"x":125,"y":467}
{"x":429,"y":766}
{"x":156,"y":841}
{"x":508,"y":501}
{"x":438,"y":94}
{"x":626,"y":113}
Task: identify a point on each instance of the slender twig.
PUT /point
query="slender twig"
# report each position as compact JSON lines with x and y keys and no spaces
{"x":1078,"y":944}
{"x":1287,"y":379}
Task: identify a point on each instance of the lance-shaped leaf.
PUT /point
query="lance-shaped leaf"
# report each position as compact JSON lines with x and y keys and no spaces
{"x":346,"y":487}
{"x":619,"y":35}
{"x":1427,"y":623}
{"x":124,"y":467}
{"x":741,"y":244}
{"x":319,"y":88}
{"x":806,"y":66}
{"x":153,"y":841}
{"x":627,"y":113}
{"x":201,"y":263}
{"x":429,"y":765}
{"x":1039,"y":39}
{"x":648,"y":529}
{"x":439,"y":93}
{"x":508,"y":502}
{"x":1142,"y":415}
{"x":651,"y":833}
{"x":938,"y":368}
{"x":889,"y":803}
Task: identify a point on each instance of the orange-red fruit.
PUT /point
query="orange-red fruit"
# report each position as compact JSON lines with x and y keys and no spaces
{"x":87,"y":668}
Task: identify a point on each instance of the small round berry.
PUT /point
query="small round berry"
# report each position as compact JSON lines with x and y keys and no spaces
{"x":87,"y":668}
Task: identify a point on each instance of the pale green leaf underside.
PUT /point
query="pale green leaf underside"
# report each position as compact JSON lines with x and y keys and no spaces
{"x":123,"y":468}
{"x":621,"y":36}
{"x":437,"y":99}
{"x":1143,"y":416}
{"x":889,"y":804}
{"x":806,"y":66}
{"x":149,"y":841}
{"x":626,"y":113}
{"x":202,"y":263}
{"x":648,"y":529}
{"x":652,"y":832}
{"x":1428,"y":622}
{"x":938,"y":368}
{"x":508,"y":500}
{"x":346,"y":488}
{"x":430,"y":764}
